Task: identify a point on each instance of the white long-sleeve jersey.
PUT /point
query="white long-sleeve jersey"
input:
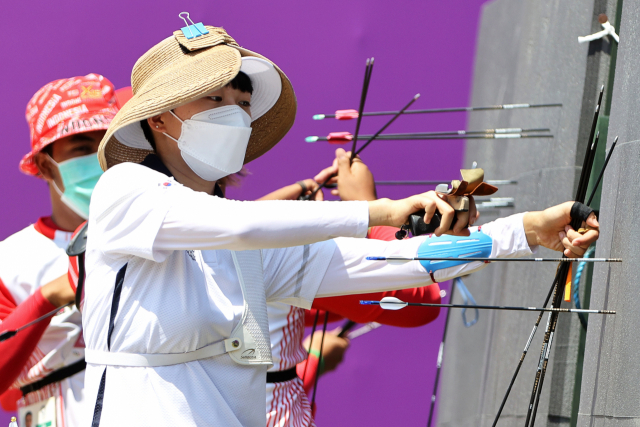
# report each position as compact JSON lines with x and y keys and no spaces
{"x":161,"y":280}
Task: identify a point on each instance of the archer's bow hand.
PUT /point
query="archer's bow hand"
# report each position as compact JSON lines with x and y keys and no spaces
{"x":551,"y":229}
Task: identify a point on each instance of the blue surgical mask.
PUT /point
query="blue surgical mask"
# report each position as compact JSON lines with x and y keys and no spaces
{"x":79,"y":176}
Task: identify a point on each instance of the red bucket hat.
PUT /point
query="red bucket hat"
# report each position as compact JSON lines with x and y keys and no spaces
{"x":66,"y":107}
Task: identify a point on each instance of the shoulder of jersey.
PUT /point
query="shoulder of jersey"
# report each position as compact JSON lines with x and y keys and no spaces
{"x":126,"y":178}
{"x":130,"y":175}
{"x":26,"y":247}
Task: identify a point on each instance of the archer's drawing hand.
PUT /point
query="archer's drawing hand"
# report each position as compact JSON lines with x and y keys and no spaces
{"x":395,"y":213}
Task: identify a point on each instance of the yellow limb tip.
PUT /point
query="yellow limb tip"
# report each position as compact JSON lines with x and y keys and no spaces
{"x":567,"y":285}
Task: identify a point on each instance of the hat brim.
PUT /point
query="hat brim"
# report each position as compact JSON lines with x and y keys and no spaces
{"x":190,"y":76}
{"x":266,"y":85}
{"x":28,"y":165}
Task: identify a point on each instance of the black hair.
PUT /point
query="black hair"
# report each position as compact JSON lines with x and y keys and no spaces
{"x":240,"y":82}
{"x":146,"y":129}
{"x":48,"y":149}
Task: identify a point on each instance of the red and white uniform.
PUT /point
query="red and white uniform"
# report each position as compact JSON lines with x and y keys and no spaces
{"x":31,"y":258}
{"x":287,"y":402}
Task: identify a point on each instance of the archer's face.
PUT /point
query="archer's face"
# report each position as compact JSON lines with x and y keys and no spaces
{"x":220,"y":98}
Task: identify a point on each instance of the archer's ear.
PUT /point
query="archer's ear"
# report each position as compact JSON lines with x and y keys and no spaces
{"x":46,"y":167}
{"x":157,"y":123}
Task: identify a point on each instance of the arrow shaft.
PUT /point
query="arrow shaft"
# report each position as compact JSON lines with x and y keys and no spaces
{"x":363,"y":98}
{"x":456,"y":109}
{"x":395,"y":116}
{"x":460,"y":132}
{"x":418,"y":137}
{"x":8,"y":334}
{"x":355,"y":153}
{"x":496,"y":307}
{"x":483,"y":259}
{"x":492,"y":182}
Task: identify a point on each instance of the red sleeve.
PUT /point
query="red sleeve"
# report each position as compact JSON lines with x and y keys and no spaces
{"x":15,"y":352}
{"x":382,"y":232}
{"x":349,"y":305}
{"x":309,"y":365}
{"x":7,"y":303}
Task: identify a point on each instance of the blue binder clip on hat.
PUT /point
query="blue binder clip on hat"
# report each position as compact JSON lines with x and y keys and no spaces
{"x":194,"y":30}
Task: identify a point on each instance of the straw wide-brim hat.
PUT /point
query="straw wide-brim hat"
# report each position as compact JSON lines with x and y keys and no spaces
{"x":177,"y":71}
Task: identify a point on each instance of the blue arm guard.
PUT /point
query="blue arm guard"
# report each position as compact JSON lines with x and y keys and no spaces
{"x":477,"y":244}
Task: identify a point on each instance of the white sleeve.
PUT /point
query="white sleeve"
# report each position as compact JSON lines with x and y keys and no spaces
{"x":137,"y":211}
{"x":350,"y":273}
{"x":293,"y":275}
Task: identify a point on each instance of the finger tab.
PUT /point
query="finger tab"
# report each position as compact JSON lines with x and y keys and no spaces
{"x":580,"y":212}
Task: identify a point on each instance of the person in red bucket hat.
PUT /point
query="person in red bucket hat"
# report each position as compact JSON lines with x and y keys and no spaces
{"x":42,"y":367}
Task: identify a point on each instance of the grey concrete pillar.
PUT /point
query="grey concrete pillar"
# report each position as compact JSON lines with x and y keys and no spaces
{"x":610,"y":394}
{"x":527,"y":53}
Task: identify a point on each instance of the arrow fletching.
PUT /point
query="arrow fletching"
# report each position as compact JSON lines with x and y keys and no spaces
{"x":392,"y":303}
{"x":346,"y":114}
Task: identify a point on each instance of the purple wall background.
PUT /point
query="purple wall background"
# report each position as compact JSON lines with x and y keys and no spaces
{"x":420,"y":46}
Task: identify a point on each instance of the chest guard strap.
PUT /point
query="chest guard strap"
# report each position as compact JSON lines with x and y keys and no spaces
{"x":253,"y":330}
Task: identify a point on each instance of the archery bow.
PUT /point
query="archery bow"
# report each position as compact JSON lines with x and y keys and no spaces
{"x":561,"y":274}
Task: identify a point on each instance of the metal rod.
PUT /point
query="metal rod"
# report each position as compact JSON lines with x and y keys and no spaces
{"x":363,"y":330}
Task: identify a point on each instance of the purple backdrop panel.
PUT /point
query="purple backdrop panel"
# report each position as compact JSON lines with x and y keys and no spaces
{"x":420,"y":46}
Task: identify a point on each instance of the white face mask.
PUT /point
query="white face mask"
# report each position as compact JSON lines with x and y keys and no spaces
{"x":213,"y":143}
